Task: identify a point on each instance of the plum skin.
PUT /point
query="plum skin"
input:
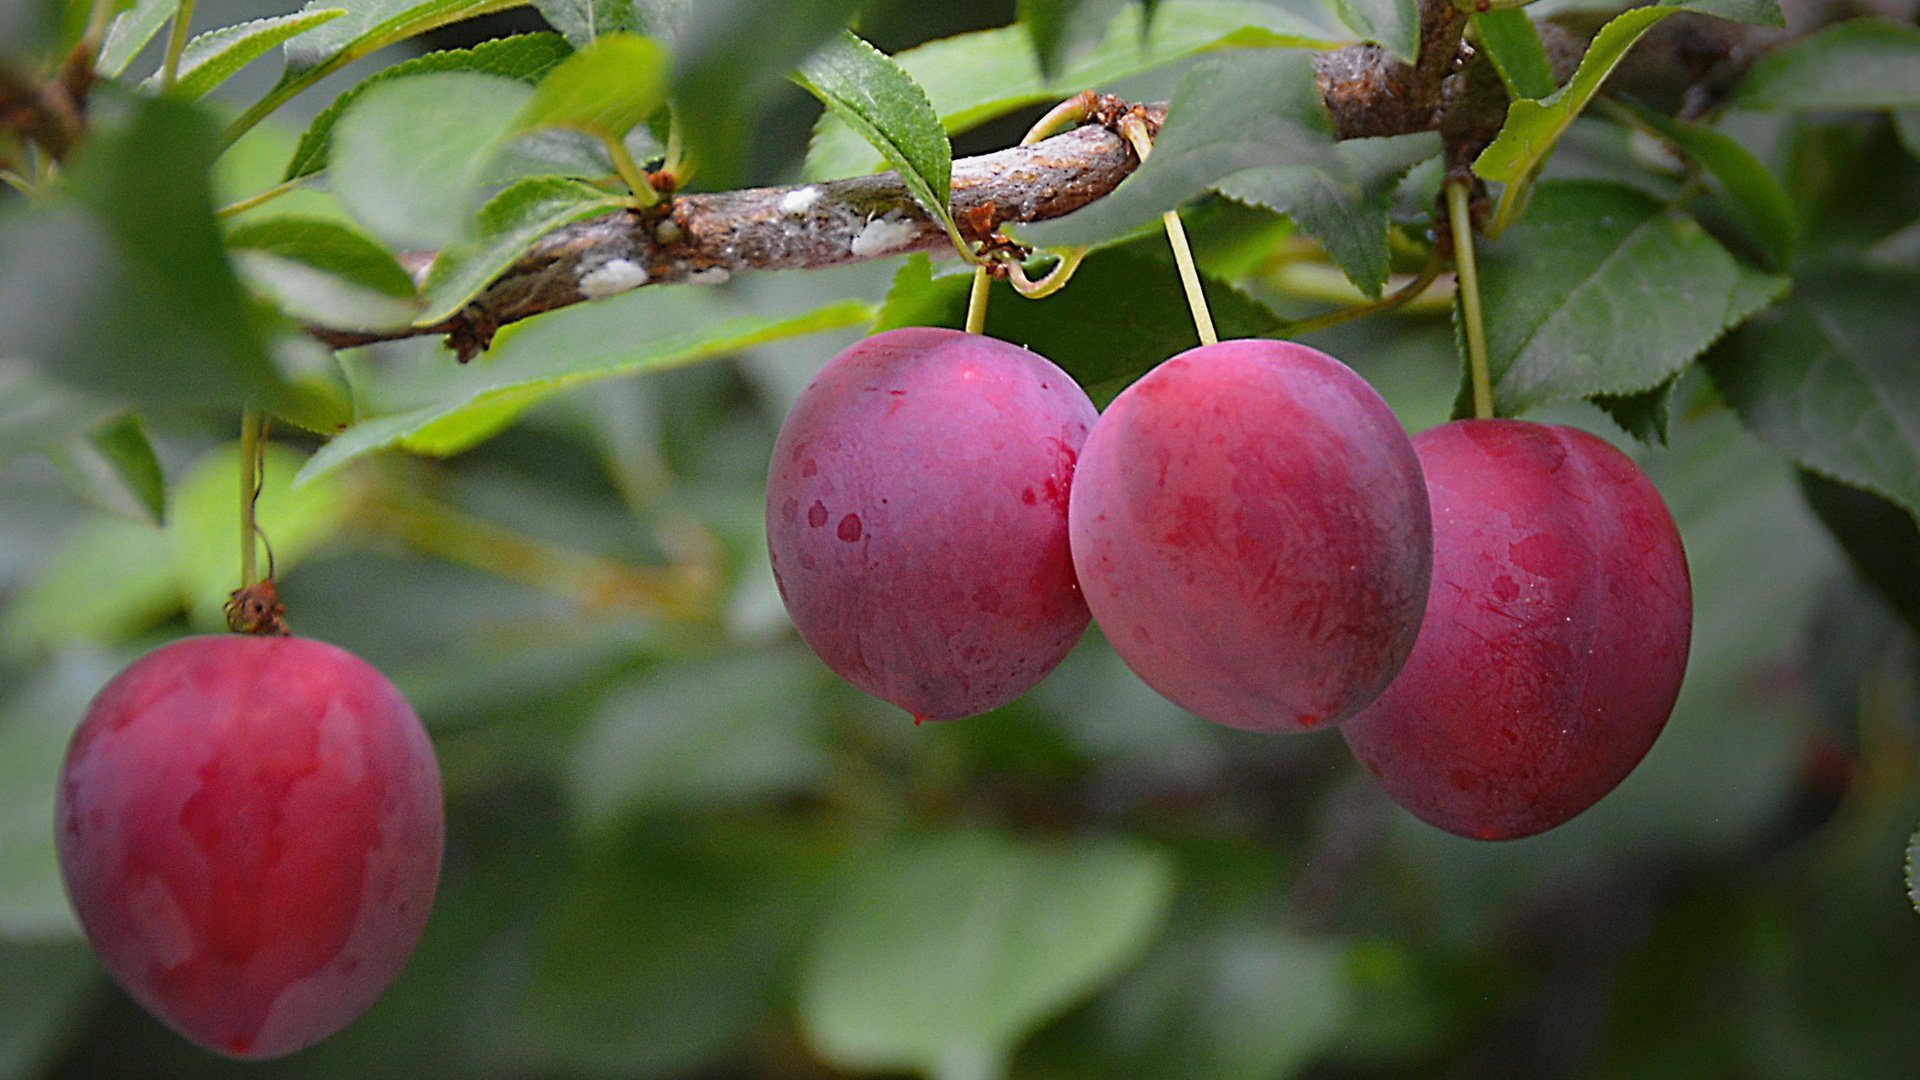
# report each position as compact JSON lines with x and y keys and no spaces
{"x":1555,"y":637}
{"x":250,"y":830}
{"x":917,"y":518}
{"x":1251,"y":532}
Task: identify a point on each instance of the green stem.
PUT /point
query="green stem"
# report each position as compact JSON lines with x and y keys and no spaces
{"x":1396,"y":299}
{"x":1467,"y":280}
{"x":1055,"y":280}
{"x":250,"y":479}
{"x":261,"y":199}
{"x":16,"y":181}
{"x":977,"y":300}
{"x":176,"y":44}
{"x":1135,"y":132}
{"x":630,"y":171}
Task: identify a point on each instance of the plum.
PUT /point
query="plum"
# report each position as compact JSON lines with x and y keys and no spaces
{"x":917,"y":518}
{"x":1555,"y":636}
{"x":1250,"y":528}
{"x":250,"y":830}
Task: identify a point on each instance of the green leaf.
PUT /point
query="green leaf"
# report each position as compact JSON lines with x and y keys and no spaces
{"x":323,"y":271}
{"x":216,"y":56}
{"x":1827,"y":379}
{"x":1391,"y":24}
{"x":409,"y":155}
{"x":1122,"y":313}
{"x":605,"y":89}
{"x":115,"y":468}
{"x":1880,"y":539}
{"x":1913,"y":870}
{"x":1752,"y":12}
{"x":36,"y":720}
{"x":1341,"y":201}
{"x":130,"y":31}
{"x":584,"y":20}
{"x":46,"y":985}
{"x":1861,"y":64}
{"x":122,"y":288}
{"x":110,"y":578}
{"x":1532,"y":127}
{"x":1060,"y":27}
{"x":976,"y":77}
{"x":525,"y":57}
{"x":1254,"y":109}
{"x":1600,"y":290}
{"x":36,"y":412}
{"x":1907,"y":125}
{"x":529,"y":362}
{"x":1510,"y":41}
{"x":872,"y":95}
{"x":510,"y":223}
{"x":1645,"y":415}
{"x":1760,"y":199}
{"x":948,"y":950}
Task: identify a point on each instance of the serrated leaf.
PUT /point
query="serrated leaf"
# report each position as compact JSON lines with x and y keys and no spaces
{"x":1253,"y":109}
{"x":1827,"y":378}
{"x":1880,"y":539}
{"x":1860,"y":64}
{"x":114,"y":467}
{"x":1601,"y":290}
{"x":1510,"y":41}
{"x":1645,"y":416}
{"x":525,"y":57}
{"x":605,"y":89}
{"x":1757,"y":195}
{"x":527,"y":363}
{"x":1532,"y":127}
{"x":130,"y":31}
{"x":1391,"y":24}
{"x":323,"y":271}
{"x":510,"y":223}
{"x":409,"y":155}
{"x":973,"y":78}
{"x":1752,"y":12}
{"x":584,"y":20}
{"x":949,"y":949}
{"x":1341,"y":202}
{"x":216,"y":56}
{"x":872,"y":95}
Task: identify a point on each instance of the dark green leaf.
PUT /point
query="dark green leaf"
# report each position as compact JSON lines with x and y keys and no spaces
{"x":1861,"y":64}
{"x":1645,"y":416}
{"x":1600,"y":290}
{"x":1342,"y":201}
{"x":871,"y":94}
{"x":584,"y":20}
{"x":1254,"y":109}
{"x":1907,"y":124}
{"x":1754,"y":191}
{"x":325,"y":272}
{"x":115,"y":468}
{"x":525,"y":57}
{"x":408,"y":157}
{"x":1392,"y":24}
{"x":1880,"y":538}
{"x":1827,"y":378}
{"x":216,"y":56}
{"x":1511,"y":42}
{"x":949,"y":949}
{"x":1752,"y":12}
{"x":605,"y":89}
{"x":1058,"y":28}
{"x":509,"y":224}
{"x":43,"y":987}
{"x":130,"y":32}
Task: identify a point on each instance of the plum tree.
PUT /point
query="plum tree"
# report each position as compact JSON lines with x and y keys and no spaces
{"x":250,"y":830}
{"x":917,"y":518}
{"x":1251,"y":531}
{"x":1555,"y":636}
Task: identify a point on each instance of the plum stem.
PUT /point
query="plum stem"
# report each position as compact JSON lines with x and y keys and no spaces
{"x":1467,"y":281}
{"x":977,"y":300}
{"x":1134,"y":130}
{"x":1068,"y":113}
{"x":252,"y":459}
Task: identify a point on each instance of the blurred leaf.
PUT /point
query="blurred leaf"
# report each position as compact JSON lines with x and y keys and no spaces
{"x":108,"y":579}
{"x":36,"y":412}
{"x":605,"y":89}
{"x":36,"y":721}
{"x":1907,"y":124}
{"x":973,"y":78}
{"x":1062,"y":28}
{"x":1532,"y":127}
{"x":28,"y":27}
{"x":584,"y":20}
{"x":408,"y":156}
{"x":44,"y":990}
{"x":619,"y":337}
{"x":123,"y":289}
{"x":1826,"y":378}
{"x":1645,"y":415}
{"x":1123,"y":312}
{"x":1758,"y":196}
{"x":204,"y":529}
{"x":1341,"y":201}
{"x":948,"y":950}
{"x":114,"y":468}
{"x":130,"y":31}
{"x":510,"y":223}
{"x":1600,"y":290}
{"x":1879,"y":538}
{"x":1913,"y":870}
{"x":1254,"y":109}
{"x":1511,"y":42}
{"x":324,"y":272}
{"x":1859,"y":64}
{"x":1392,"y":24}
{"x":1752,"y":12}
{"x":523,"y":57}
{"x":699,"y":736}
{"x":871,"y":94}
{"x":216,"y":56}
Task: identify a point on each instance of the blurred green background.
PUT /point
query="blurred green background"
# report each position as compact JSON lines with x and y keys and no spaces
{"x":679,"y":847}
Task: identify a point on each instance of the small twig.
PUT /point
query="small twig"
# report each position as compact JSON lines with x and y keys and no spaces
{"x":1392,"y":301}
